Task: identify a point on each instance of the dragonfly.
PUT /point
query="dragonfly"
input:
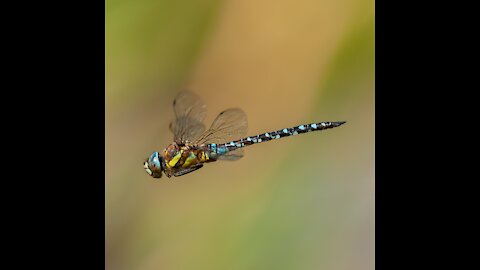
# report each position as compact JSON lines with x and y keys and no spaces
{"x":194,"y":145}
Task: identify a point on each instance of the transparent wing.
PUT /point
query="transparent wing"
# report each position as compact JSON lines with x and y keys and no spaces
{"x":229,"y":125}
{"x":232,"y":155}
{"x":190,"y":111}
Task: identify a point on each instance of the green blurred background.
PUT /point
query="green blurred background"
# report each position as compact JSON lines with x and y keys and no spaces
{"x":304,"y":202}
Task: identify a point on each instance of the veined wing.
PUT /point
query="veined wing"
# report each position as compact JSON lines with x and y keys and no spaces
{"x":190,"y":111}
{"x":232,"y":155}
{"x":229,"y":125}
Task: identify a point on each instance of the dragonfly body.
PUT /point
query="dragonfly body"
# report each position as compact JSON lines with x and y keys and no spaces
{"x":184,"y":156}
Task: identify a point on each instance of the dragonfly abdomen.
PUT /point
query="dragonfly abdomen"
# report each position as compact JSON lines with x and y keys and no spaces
{"x":221,"y":149}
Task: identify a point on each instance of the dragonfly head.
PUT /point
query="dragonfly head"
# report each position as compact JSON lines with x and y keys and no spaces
{"x":154,"y":165}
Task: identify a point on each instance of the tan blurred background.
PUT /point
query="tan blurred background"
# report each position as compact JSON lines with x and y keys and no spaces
{"x":303,"y":202}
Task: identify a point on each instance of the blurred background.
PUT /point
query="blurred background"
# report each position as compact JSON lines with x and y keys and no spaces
{"x":303,"y":202}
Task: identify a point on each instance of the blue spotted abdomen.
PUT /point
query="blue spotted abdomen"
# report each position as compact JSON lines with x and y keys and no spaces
{"x":221,"y":149}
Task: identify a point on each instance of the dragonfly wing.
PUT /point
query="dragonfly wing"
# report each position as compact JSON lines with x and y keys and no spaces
{"x":190,"y":111}
{"x":229,"y":125}
{"x":232,"y":155}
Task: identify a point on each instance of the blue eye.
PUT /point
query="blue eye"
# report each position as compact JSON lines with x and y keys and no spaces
{"x":154,"y":160}
{"x":153,"y":156}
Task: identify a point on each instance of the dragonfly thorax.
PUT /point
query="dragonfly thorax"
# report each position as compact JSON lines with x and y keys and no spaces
{"x":171,"y":151}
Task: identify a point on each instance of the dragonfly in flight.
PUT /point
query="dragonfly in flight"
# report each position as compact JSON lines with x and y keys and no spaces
{"x":225,"y":139}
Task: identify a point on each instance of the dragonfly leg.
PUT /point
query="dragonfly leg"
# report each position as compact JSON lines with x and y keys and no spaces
{"x":188,"y":170}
